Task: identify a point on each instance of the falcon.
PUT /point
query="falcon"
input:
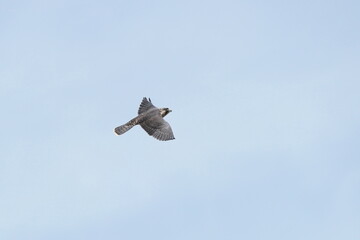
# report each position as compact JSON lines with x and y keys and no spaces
{"x":151,"y":119}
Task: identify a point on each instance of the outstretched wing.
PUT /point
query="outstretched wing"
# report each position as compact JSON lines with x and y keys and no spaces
{"x":158,"y":128}
{"x":145,"y":105}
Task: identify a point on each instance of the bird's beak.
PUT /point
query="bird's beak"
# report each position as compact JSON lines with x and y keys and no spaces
{"x":170,"y":110}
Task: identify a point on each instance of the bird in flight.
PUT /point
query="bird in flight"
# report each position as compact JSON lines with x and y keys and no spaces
{"x":151,"y":119}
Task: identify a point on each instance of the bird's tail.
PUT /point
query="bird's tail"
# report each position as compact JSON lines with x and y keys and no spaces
{"x":123,"y":129}
{"x":127,"y":126}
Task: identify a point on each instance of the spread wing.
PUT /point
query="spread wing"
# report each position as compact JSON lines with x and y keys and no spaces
{"x":158,"y":128}
{"x":145,"y":105}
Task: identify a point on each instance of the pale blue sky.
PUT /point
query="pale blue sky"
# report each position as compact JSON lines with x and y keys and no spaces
{"x":266,"y":115}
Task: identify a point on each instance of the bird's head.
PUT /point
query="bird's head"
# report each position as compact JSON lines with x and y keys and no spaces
{"x":164,"y":111}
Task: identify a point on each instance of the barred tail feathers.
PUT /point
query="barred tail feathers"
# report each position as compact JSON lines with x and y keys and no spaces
{"x":122,"y":129}
{"x":126,"y":127}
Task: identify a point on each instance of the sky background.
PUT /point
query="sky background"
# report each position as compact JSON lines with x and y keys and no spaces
{"x":266,"y":115}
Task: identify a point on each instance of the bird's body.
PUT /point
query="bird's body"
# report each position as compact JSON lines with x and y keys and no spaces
{"x":150,"y":118}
